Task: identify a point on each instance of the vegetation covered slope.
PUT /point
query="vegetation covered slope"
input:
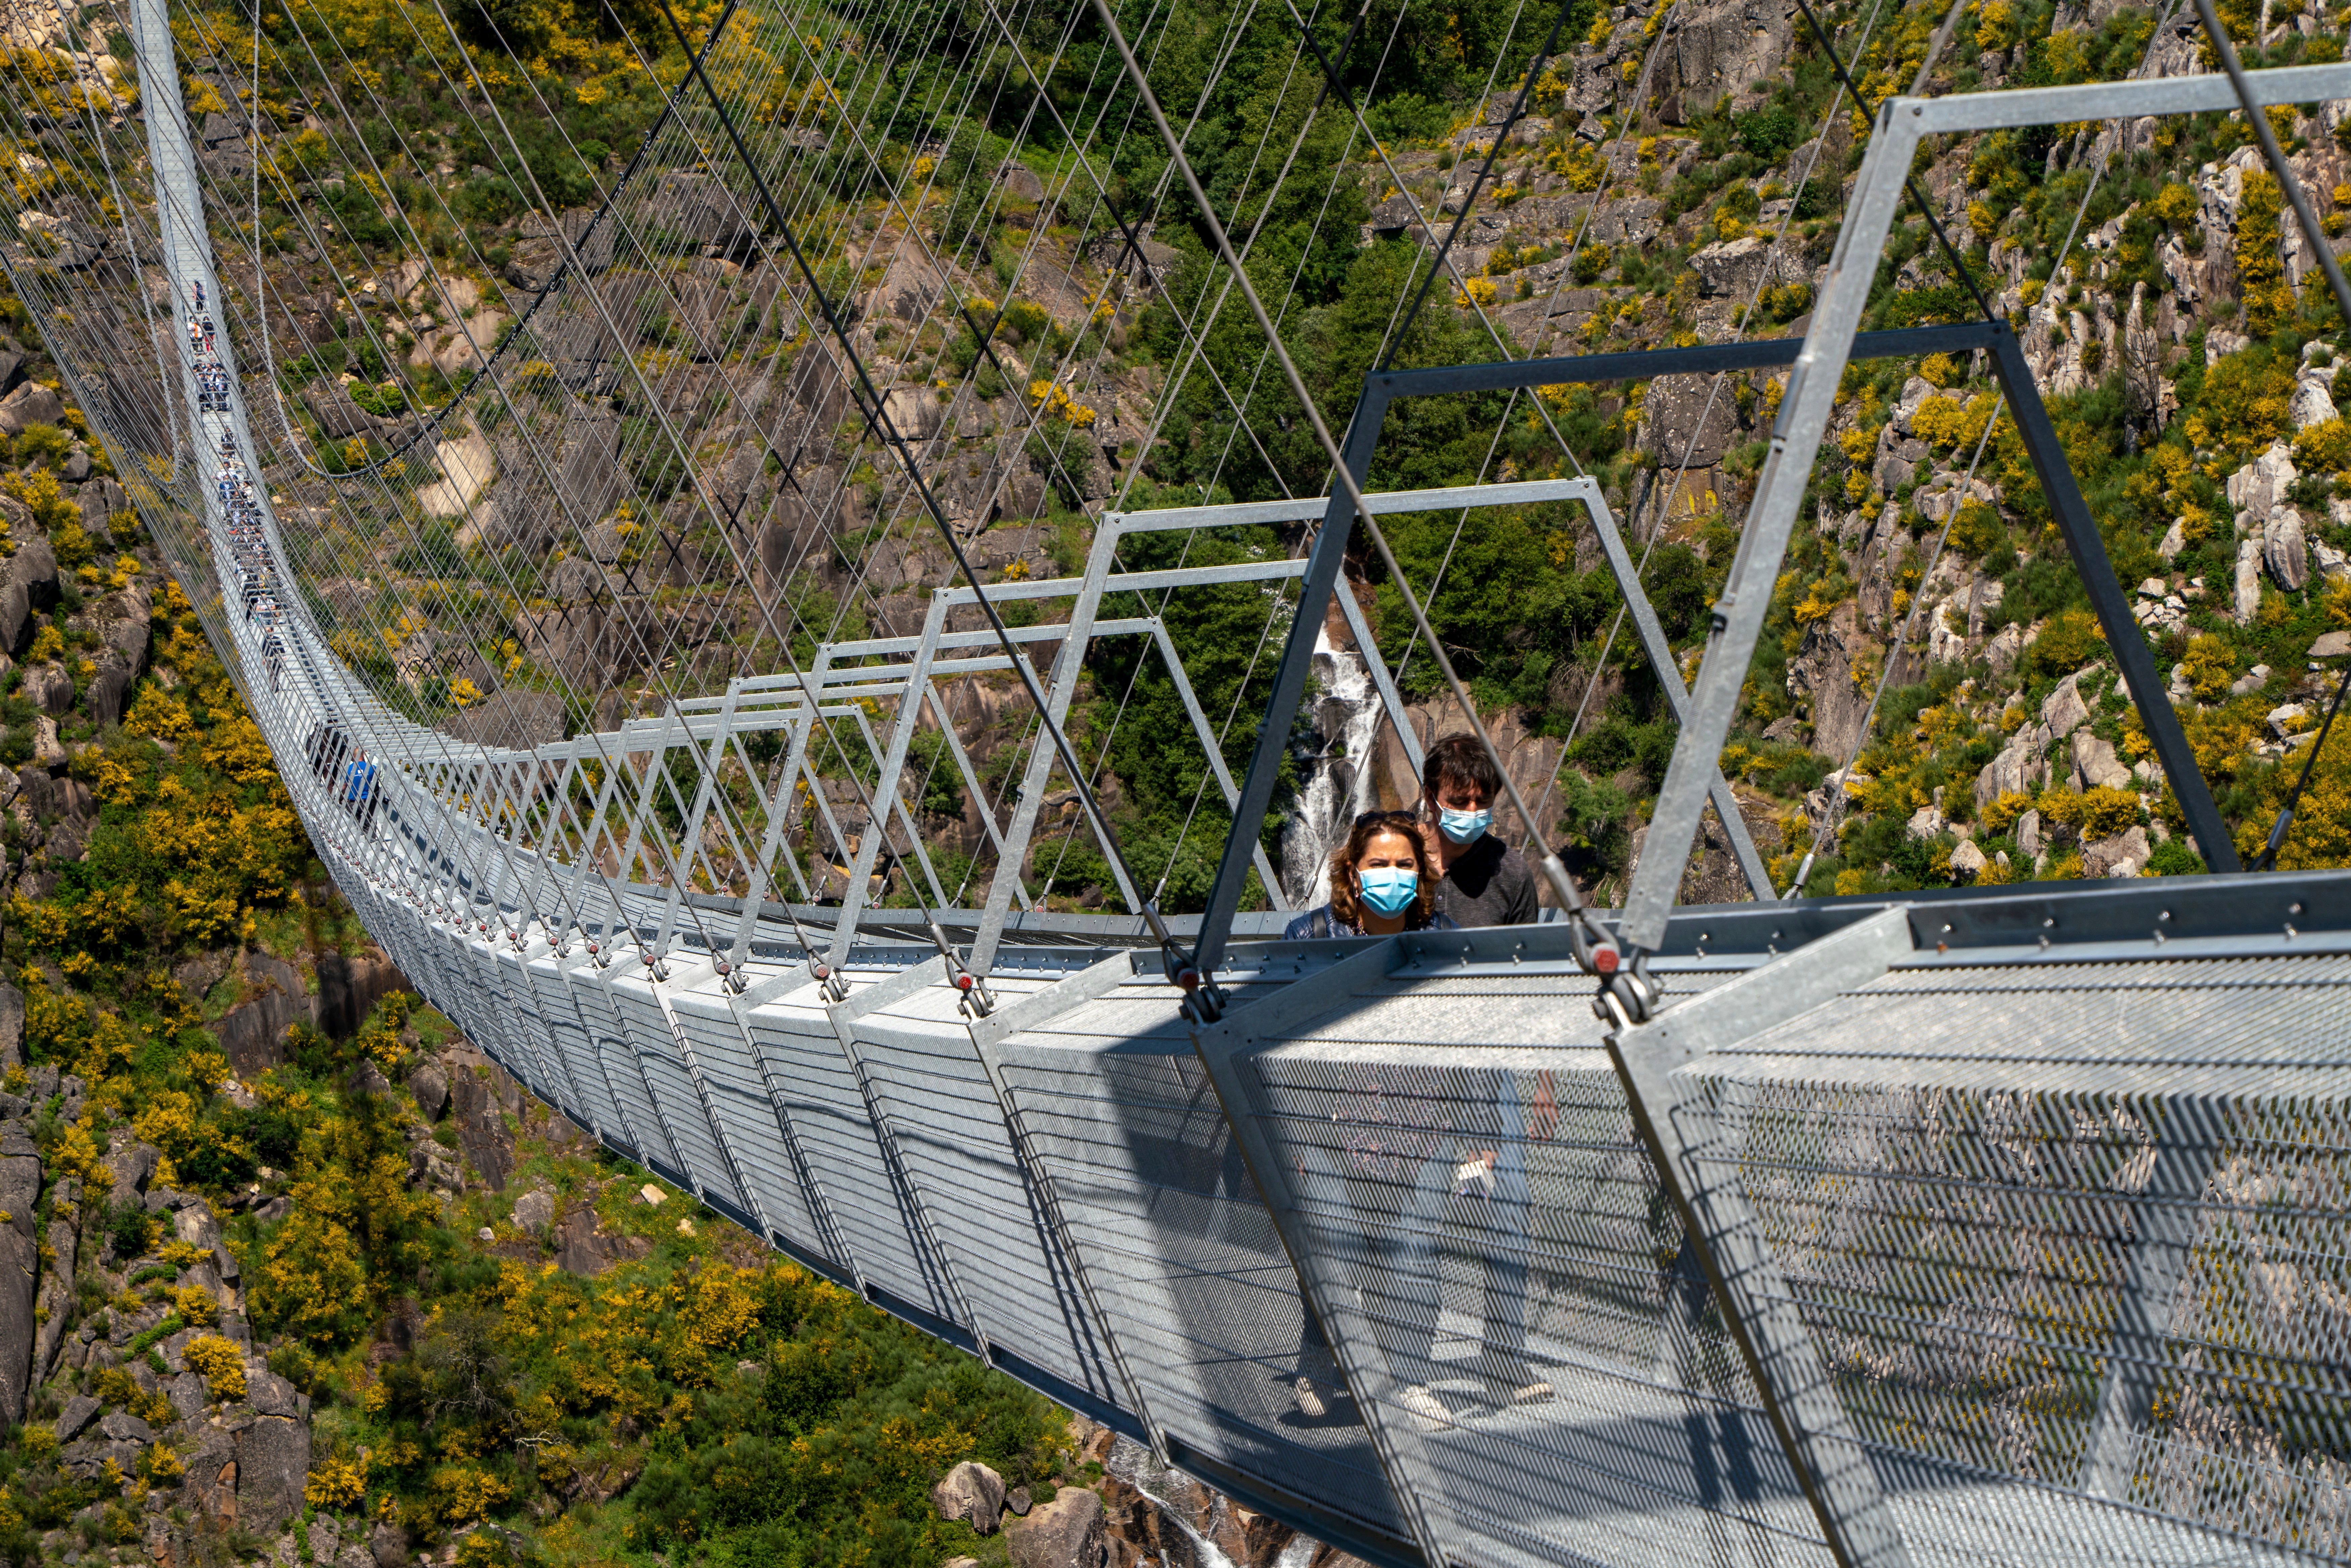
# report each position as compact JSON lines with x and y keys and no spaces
{"x":350,"y":1296}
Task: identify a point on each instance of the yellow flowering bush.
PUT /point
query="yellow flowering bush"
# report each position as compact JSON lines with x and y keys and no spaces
{"x":462,"y":1493}
{"x":1946,"y":422}
{"x":220,"y":1362}
{"x":2245,"y":407}
{"x":2002,"y":813}
{"x":2210,"y":665}
{"x":157,"y":713}
{"x":52,"y":509}
{"x":1052,"y":397}
{"x":2324,"y":447}
{"x":2099,"y":813}
{"x":337,"y":1482}
{"x":356,"y":1229}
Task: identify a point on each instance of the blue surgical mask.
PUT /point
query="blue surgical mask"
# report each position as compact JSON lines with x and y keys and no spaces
{"x":1388,"y":889}
{"x":1463,"y":827}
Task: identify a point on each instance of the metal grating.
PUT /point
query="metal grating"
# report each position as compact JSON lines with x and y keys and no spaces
{"x":749,"y":1121}
{"x":1548,"y":1371}
{"x":871,"y":1212}
{"x":672,"y":1089}
{"x":992,"y":1221}
{"x":1186,"y":1263}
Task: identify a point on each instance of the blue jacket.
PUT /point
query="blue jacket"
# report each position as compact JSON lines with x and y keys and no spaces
{"x":1316,"y":925}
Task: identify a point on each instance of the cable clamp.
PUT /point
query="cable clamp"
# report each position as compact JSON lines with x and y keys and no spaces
{"x":1203,"y":1003}
{"x":1626,"y":995}
{"x":977,"y":1001}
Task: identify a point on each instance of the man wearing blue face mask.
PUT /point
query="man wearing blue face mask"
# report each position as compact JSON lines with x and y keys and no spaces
{"x":1480,"y":880}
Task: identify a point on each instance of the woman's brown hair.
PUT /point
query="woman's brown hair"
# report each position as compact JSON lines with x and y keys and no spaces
{"x":1346,"y":908}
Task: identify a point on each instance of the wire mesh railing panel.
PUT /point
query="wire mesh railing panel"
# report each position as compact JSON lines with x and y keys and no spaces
{"x":488,"y":971}
{"x":447,"y":964}
{"x":2093,"y":1238}
{"x":1186,"y":1263}
{"x":671,"y":1087}
{"x":2098,"y":1322}
{"x":871,"y":1210}
{"x":469,"y":968}
{"x":994,"y":1222}
{"x":748,"y":1120}
{"x":616,"y":1055}
{"x":1198,"y":1290}
{"x":526,"y":1021}
{"x":1545,"y":1376}
{"x":568,"y":1028}
{"x":2273,"y":1024}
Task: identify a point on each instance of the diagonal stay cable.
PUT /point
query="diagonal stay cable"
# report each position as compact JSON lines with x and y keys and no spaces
{"x":1835,"y":805}
{"x":878,"y":811}
{"x":1690,"y":447}
{"x":890,"y":432}
{"x":1910,"y":182}
{"x":1469,"y":203}
{"x":430,"y":420}
{"x":1445,"y":261}
{"x":2317,"y":236}
{"x":1593,"y":945}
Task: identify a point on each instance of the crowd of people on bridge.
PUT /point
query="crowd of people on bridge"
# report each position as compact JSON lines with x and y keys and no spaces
{"x":351,"y":774}
{"x":249,"y":548}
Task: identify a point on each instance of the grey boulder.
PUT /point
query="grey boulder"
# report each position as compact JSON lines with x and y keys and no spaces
{"x":970,"y":1492}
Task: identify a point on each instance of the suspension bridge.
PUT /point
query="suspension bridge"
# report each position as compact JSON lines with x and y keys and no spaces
{"x":1962,"y":1226}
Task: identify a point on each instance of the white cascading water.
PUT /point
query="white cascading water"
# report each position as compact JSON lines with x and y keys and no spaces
{"x":1297,"y":1553}
{"x":1339,"y":781}
{"x":1135,"y":1465}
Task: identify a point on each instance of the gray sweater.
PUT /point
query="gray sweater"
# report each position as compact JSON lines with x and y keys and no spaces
{"x":1489,"y":884}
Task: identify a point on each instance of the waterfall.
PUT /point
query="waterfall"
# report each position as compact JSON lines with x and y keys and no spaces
{"x":1340,"y":776}
{"x":1135,"y":1465}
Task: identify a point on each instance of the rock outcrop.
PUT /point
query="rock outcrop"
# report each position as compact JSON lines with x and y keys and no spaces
{"x":970,"y":1492}
{"x":20,"y":1265}
{"x":1067,"y":1532}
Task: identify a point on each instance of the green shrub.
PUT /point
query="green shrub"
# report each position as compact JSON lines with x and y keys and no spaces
{"x":127,"y":1228}
{"x":2068,"y":641}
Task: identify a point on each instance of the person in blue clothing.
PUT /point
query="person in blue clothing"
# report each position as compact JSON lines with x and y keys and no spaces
{"x":1377,"y":888}
{"x":359,"y":789}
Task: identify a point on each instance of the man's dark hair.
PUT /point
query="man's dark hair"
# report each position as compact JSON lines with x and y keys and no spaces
{"x":1460,"y":761}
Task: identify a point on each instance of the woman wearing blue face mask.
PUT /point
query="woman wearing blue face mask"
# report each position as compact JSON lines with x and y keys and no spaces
{"x":1377,"y":884}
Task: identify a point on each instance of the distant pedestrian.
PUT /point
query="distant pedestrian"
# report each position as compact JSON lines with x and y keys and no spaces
{"x":359,"y":789}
